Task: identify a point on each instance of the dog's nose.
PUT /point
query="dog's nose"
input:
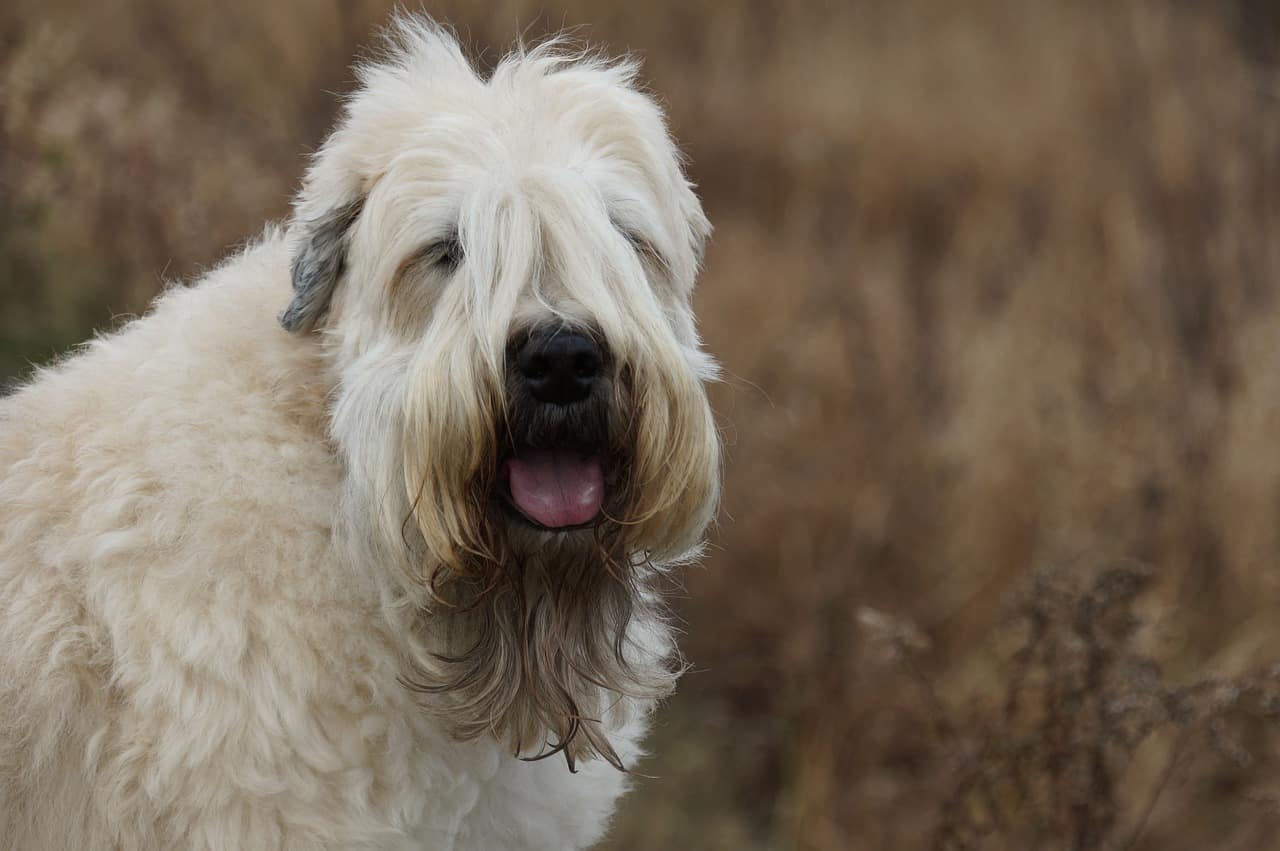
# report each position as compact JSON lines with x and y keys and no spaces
{"x":558,"y":366}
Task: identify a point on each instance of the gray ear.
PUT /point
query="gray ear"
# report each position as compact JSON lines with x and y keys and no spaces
{"x":317,"y":267}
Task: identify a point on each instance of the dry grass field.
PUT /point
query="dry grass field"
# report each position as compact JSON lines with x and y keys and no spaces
{"x":997,"y":289}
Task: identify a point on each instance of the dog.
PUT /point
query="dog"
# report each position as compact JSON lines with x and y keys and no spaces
{"x":360,"y":540}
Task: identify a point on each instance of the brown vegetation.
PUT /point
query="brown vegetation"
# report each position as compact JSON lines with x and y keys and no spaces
{"x":996,"y":288}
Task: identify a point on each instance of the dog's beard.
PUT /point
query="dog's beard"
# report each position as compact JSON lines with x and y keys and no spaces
{"x":537,"y":647}
{"x":529,"y":635}
{"x":533,"y":635}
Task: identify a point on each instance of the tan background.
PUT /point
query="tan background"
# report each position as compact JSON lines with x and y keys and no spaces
{"x":996,"y":288}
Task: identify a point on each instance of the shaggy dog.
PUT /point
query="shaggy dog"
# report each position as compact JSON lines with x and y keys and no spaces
{"x":335,"y":547}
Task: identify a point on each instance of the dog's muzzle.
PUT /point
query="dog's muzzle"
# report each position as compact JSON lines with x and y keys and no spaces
{"x":558,"y":422}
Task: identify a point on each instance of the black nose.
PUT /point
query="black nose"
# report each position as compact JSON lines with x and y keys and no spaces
{"x":559,"y":366}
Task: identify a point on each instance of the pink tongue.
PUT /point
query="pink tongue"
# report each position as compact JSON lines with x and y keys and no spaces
{"x":556,"y":487}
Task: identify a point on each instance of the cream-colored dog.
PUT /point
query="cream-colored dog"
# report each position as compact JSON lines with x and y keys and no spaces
{"x":354,"y":543}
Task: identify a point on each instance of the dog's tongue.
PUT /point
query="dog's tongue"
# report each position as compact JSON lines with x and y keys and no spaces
{"x":556,"y":487}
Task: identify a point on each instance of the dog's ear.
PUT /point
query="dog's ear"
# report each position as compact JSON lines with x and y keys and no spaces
{"x":318,"y":263}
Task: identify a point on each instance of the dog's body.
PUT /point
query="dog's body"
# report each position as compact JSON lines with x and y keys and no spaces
{"x":258,"y":588}
{"x":210,"y":673}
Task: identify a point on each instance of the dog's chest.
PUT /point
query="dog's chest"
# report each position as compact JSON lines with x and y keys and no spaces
{"x":415,"y":787}
{"x":492,"y":801}
{"x":363,"y":759}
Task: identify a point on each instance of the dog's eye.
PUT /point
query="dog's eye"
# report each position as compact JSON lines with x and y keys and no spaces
{"x":642,"y":246}
{"x":637,"y":241}
{"x":446,"y":254}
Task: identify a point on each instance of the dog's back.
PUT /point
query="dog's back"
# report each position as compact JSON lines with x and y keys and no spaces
{"x":158,"y":489}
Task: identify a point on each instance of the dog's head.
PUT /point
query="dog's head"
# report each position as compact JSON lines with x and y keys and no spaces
{"x":502,"y":270}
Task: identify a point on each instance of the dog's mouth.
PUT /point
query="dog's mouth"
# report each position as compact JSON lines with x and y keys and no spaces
{"x":557,"y":489}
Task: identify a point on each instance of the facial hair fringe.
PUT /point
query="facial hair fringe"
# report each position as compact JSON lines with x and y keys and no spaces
{"x":537,"y":648}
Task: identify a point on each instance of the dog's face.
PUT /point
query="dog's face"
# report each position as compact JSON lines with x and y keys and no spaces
{"x":502,"y":269}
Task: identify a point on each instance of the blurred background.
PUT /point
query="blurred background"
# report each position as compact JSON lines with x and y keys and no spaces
{"x":997,"y":289}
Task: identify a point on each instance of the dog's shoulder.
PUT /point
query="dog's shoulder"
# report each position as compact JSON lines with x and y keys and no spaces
{"x":167,"y":573}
